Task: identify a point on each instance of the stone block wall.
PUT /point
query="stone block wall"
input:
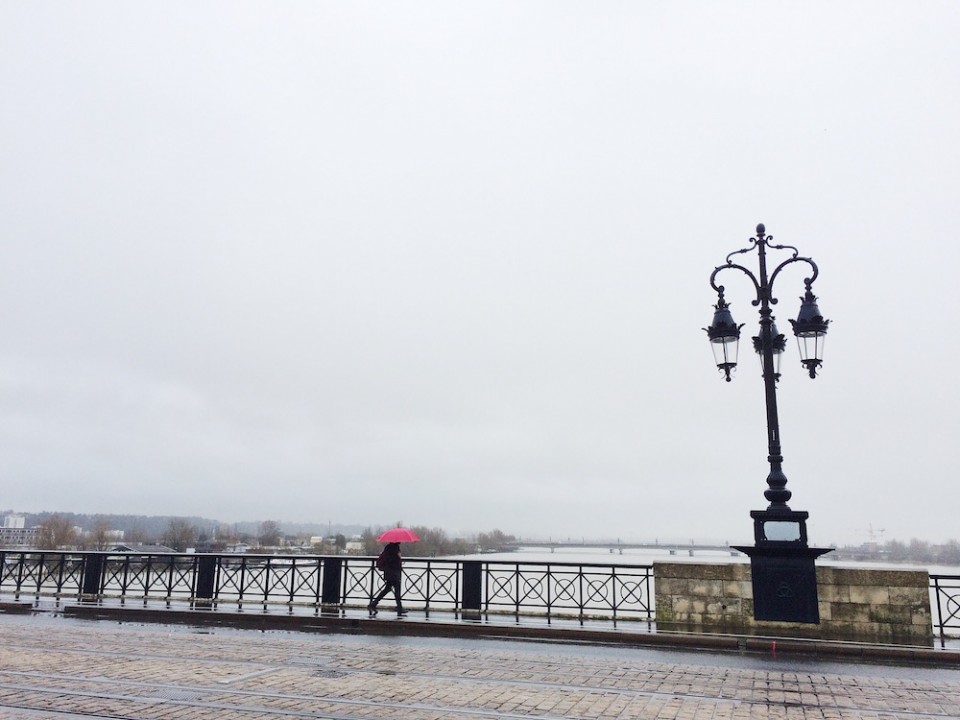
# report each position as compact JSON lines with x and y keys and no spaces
{"x":865,"y":605}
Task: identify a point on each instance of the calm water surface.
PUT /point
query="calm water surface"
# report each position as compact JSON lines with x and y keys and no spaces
{"x":603,"y":556}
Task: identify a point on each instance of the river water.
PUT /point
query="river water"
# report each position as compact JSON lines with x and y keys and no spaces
{"x":630,"y":556}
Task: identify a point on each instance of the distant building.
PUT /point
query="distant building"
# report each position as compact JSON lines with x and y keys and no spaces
{"x":14,"y":521}
{"x":13,"y":534}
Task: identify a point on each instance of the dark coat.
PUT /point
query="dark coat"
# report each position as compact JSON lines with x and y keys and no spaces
{"x":392,"y":563}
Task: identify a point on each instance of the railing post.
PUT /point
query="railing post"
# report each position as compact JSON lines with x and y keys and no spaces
{"x":472,"y":580}
{"x":146,"y":579}
{"x":170,"y":560}
{"x":206,"y":578}
{"x":427,"y":593}
{"x":40,"y":566}
{"x":92,"y":575}
{"x":21,"y":566}
{"x":63,"y":562}
{"x":332,"y":581}
{"x":123,"y":580}
{"x":939,"y":620}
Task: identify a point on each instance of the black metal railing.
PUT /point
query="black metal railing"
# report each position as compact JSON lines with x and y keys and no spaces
{"x":945,"y":590}
{"x":573,"y":590}
{"x":466,"y":587}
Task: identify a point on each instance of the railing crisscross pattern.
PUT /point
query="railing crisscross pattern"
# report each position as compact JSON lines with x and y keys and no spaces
{"x":551,"y":589}
{"x":946,"y":594}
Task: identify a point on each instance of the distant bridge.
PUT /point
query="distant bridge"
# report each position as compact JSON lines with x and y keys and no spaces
{"x":616,"y":546}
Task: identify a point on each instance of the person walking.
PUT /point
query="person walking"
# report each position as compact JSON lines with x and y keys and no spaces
{"x":392,"y":566}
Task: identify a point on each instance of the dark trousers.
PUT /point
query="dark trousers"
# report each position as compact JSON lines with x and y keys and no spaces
{"x":391,"y":582}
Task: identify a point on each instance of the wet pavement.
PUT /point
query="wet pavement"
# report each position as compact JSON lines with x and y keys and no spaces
{"x":53,"y":666}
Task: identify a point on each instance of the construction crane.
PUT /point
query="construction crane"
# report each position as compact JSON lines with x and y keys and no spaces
{"x":872,"y":534}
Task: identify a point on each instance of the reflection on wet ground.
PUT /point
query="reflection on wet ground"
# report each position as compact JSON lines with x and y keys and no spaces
{"x":56,"y":667}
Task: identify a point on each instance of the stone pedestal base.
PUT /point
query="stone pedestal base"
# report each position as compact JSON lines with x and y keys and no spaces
{"x":858,"y":604}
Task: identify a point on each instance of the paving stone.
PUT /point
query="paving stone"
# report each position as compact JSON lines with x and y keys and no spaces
{"x":61,"y":668}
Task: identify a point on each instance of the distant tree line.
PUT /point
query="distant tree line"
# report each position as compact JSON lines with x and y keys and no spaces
{"x":897,"y":551}
{"x":98,"y":532}
{"x":102,"y":531}
{"x":434,"y":542}
{"x":61,"y":531}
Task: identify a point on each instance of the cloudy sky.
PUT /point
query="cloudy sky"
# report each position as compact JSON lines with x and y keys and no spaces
{"x":448,"y":263}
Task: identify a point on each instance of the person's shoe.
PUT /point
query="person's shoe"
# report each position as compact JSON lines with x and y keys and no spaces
{"x":372,"y":609}
{"x":401,"y":612}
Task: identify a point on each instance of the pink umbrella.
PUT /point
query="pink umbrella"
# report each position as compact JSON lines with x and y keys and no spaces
{"x":398,"y":535}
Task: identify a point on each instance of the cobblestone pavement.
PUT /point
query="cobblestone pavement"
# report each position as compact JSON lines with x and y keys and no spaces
{"x":52,"y":667}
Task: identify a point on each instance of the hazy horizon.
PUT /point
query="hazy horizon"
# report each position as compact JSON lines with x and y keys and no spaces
{"x":878,"y":537}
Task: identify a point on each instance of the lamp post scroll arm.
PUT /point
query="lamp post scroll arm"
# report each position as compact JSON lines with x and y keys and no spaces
{"x":807,"y":281}
{"x":753,"y":246}
{"x":728,"y":266}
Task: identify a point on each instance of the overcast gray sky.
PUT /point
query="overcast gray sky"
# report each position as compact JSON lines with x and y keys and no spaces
{"x":447,"y":262}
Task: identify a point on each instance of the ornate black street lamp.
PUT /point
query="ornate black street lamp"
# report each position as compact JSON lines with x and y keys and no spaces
{"x":784,"y":576}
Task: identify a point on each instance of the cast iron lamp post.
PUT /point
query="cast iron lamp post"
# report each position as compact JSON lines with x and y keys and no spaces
{"x":784,"y":577}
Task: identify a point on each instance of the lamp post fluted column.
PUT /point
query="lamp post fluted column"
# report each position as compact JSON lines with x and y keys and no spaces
{"x":776,"y":491}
